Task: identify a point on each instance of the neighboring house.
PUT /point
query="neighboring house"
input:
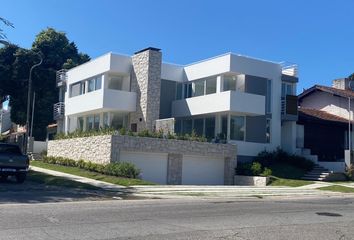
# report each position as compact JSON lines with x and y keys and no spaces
{"x":5,"y":120}
{"x":249,"y":102}
{"x":324,"y":121}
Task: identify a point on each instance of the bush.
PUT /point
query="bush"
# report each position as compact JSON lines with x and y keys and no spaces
{"x":244,"y":169}
{"x":119,"y":169}
{"x":256,"y":168}
{"x":267,"y":159}
{"x":267,"y":172}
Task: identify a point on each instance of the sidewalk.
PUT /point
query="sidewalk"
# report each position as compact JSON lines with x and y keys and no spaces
{"x":96,"y":183}
{"x":188,"y":191}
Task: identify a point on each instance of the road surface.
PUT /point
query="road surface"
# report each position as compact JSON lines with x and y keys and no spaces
{"x":326,"y":218}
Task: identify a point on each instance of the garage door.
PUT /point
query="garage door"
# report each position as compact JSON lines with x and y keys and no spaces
{"x":153,"y":166}
{"x":199,"y":170}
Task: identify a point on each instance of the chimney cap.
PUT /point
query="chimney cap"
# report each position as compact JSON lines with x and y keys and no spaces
{"x":148,"y":48}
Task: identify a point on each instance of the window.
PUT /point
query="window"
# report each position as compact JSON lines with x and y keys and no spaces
{"x":229,"y":83}
{"x":178,"y":126}
{"x":116,"y":83}
{"x":237,"y":128}
{"x":240,"y":83}
{"x":269,"y":96}
{"x":105,"y":120}
{"x":179,"y":91}
{"x":96,"y":123}
{"x":210,"y":85}
{"x":198,"y":126}
{"x":77,"y":89}
{"x":198,"y":87}
{"x":287,"y":89}
{"x":90,"y":122}
{"x":210,"y":127}
{"x":268,"y":131}
{"x":187,"y":126}
{"x":224,"y":127}
{"x":80,"y":123}
{"x":117,"y":120}
{"x":98,"y":82}
{"x":91,"y":85}
{"x":188,"y":90}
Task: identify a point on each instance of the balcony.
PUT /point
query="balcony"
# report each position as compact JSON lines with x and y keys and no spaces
{"x":229,"y":101}
{"x":102,"y":99}
{"x":289,"y":108}
{"x":61,"y":77}
{"x":59,"y":111}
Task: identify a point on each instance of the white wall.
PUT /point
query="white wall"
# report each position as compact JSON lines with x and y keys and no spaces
{"x":228,"y":101}
{"x":327,"y":102}
{"x":288,"y":136}
{"x":172,"y":72}
{"x":39,"y":146}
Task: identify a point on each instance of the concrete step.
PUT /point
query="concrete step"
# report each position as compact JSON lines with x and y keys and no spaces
{"x":316,"y":175}
{"x":313,"y":178}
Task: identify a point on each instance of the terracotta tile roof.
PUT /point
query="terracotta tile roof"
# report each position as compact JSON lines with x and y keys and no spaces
{"x":321,"y":115}
{"x":331,"y":90}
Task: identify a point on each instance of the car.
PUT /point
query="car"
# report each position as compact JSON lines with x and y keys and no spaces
{"x":13,"y":162}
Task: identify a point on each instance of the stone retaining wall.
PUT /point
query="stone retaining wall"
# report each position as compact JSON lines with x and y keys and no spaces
{"x":106,"y":149}
{"x":251,"y":181}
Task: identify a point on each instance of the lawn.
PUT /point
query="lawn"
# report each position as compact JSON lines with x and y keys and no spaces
{"x":287,"y":175}
{"x":337,"y":188}
{"x":92,"y":175}
{"x":57,"y":181}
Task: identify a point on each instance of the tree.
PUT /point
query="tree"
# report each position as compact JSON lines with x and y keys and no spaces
{"x":15,"y":62}
{"x":2,"y":34}
{"x":351,"y":77}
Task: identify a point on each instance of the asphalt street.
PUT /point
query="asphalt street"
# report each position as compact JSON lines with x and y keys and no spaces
{"x":325,"y":218}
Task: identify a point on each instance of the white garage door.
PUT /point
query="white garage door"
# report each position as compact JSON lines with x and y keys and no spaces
{"x":198,"y":170}
{"x":153,"y":166}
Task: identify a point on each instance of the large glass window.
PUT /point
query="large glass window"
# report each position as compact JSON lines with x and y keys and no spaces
{"x":198,"y":87}
{"x":90,"y":122}
{"x":179,"y":91}
{"x":287,"y":89}
{"x":117,"y":120}
{"x":229,"y":83}
{"x":240,"y":83}
{"x":178,"y":126}
{"x":237,"y":128}
{"x":80,"y":123}
{"x":98,"y":82}
{"x":187,"y":126}
{"x":210,"y":85}
{"x":96,"y":123}
{"x":268,"y":130}
{"x":210,"y":127}
{"x":224,"y":127}
{"x":77,"y":89}
{"x":198,"y":126}
{"x":269,"y":96}
{"x":91,"y":85}
{"x":116,"y":83}
{"x":105,"y":120}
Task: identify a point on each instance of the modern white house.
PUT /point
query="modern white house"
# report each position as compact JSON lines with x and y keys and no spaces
{"x":239,"y":99}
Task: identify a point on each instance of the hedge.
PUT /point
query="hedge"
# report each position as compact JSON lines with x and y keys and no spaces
{"x":120,"y":169}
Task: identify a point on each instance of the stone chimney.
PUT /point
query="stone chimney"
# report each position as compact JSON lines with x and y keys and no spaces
{"x":146,"y":82}
{"x":342,"y":83}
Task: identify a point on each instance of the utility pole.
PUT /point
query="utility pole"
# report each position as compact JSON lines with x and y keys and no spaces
{"x":34,"y":100}
{"x":29,"y":100}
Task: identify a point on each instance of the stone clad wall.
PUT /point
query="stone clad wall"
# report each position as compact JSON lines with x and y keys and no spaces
{"x":96,"y":149}
{"x":106,"y":149}
{"x":146,"y":82}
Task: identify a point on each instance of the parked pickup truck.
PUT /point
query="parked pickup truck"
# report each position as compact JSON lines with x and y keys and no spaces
{"x":13,"y":162}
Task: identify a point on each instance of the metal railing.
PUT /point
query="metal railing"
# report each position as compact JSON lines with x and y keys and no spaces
{"x":61,"y":77}
{"x":283,"y":105}
{"x":59,"y":111}
{"x":290,"y":69}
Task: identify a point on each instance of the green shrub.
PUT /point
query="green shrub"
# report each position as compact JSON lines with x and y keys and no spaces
{"x":122,"y":131}
{"x":119,"y":169}
{"x":267,"y":172}
{"x":267,"y":159}
{"x":256,"y":168}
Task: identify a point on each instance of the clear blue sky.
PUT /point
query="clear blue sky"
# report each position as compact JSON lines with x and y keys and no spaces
{"x":317,"y":35}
